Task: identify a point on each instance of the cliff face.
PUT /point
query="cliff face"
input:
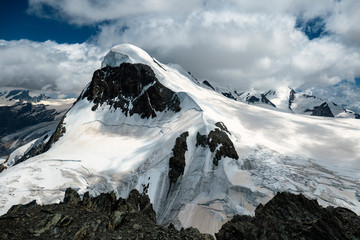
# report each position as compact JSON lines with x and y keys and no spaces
{"x":133,"y":88}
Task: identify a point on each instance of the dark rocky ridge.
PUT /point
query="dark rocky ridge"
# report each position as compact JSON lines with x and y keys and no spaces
{"x":286,"y":216}
{"x":291,"y":98}
{"x":177,"y":162}
{"x":264,"y":99}
{"x":208,"y":84}
{"x":322,"y":110}
{"x":133,"y":88}
{"x":102,"y":217}
{"x":289,"y":216}
{"x":215,"y":138}
{"x":252,"y":99}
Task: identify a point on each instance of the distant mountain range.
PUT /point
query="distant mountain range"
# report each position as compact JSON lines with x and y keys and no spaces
{"x":26,"y":115}
{"x":286,"y":99}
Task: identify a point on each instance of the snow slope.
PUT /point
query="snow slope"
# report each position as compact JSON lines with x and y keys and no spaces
{"x":105,"y":150}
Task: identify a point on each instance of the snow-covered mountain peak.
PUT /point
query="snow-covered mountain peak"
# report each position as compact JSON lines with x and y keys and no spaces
{"x":125,"y":53}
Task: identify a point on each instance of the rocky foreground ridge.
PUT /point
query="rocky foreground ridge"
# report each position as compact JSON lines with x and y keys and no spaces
{"x":101,"y":217}
{"x":286,"y":216}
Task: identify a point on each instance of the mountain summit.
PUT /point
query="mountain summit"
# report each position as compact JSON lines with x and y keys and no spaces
{"x":201,"y":157}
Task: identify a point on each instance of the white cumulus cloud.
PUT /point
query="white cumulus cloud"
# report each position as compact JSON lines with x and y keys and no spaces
{"x":241,"y":43}
{"x":47,"y":65}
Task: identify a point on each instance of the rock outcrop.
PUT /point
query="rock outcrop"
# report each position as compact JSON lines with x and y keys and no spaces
{"x":219,"y":142}
{"x":289,"y":216}
{"x":133,"y":88}
{"x":177,"y":161}
{"x":323,"y":110}
{"x":102,"y":217}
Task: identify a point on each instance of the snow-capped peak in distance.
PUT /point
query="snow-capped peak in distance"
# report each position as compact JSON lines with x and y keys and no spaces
{"x":201,"y":157}
{"x":286,"y":99}
{"x":10,"y":96}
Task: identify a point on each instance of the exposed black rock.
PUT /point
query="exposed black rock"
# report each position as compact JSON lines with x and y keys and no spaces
{"x":133,"y":88}
{"x":252,"y":99}
{"x":201,"y":140}
{"x":289,"y":216}
{"x":270,"y":92}
{"x":308,"y":96}
{"x":219,"y":141}
{"x":208,"y":84}
{"x":357,"y":116}
{"x":177,"y":162}
{"x":228,"y":95}
{"x":2,"y":167}
{"x":102,"y":217}
{"x":264,"y":99}
{"x":222,"y":126}
{"x":217,"y":138}
{"x":323,"y":110}
{"x":194,"y":78}
{"x":291,"y":98}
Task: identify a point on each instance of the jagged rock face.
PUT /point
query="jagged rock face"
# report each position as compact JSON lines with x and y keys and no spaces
{"x":208,"y":84}
{"x":291,"y":98}
{"x":267,"y":101}
{"x":177,"y":162}
{"x":228,"y":95}
{"x":252,"y":99}
{"x":219,"y":142}
{"x":102,"y":217}
{"x":263,"y":99}
{"x":289,"y":216}
{"x":133,"y":88}
{"x":322,"y":110}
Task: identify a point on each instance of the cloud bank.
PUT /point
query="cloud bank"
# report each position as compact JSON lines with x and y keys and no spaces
{"x":240,"y":43}
{"x":47,"y":65}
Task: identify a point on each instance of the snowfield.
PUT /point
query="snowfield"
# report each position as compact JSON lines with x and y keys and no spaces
{"x":104,"y":150}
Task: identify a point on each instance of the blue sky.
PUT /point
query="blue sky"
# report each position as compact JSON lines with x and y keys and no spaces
{"x":57,"y":45}
{"x":16,"y":24}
